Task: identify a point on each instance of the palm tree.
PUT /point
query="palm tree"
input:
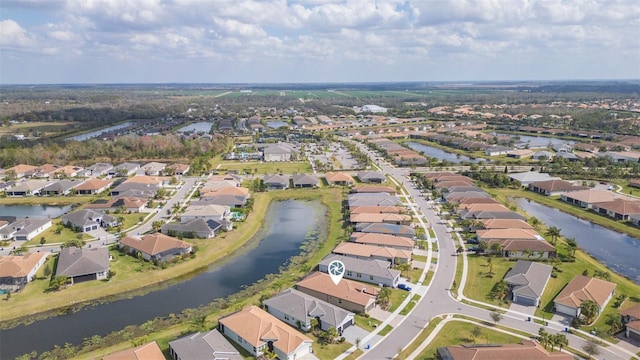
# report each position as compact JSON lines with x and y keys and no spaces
{"x":384,"y":298}
{"x":553,"y":232}
{"x":573,"y":245}
{"x":561,"y":340}
{"x":483,"y":245}
{"x":490,"y":265}
{"x":543,"y":337}
{"x":589,"y":309}
{"x":496,"y":248}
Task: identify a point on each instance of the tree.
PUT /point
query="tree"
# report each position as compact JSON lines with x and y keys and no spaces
{"x":47,"y":270}
{"x":589,"y":309}
{"x":496,"y":248}
{"x":543,"y":337}
{"x":560,"y":340}
{"x":156,"y":225}
{"x":534,"y":221}
{"x":404,"y":268}
{"x":490,"y":265}
{"x":553,"y":232}
{"x":42,"y":240}
{"x":591,"y":348}
{"x":384,"y":298}
{"x":313,"y":323}
{"x":572,"y":245}
{"x":615,"y":321}
{"x":496,"y":317}
{"x":483,"y":245}
{"x":475,"y":333}
{"x":198,"y":323}
{"x":58,"y":282}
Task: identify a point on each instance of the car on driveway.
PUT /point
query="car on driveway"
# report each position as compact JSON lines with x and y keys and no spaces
{"x":404,"y":287}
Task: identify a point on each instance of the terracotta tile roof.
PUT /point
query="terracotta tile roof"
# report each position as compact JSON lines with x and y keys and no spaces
{"x":528,"y":350}
{"x":620,"y":206}
{"x":483,"y":207}
{"x":592,"y":196}
{"x":582,"y":288}
{"x":355,"y":249}
{"x":556,"y":185}
{"x":511,"y":234}
{"x":635,"y":325}
{"x":22,"y":169}
{"x":349,"y":290}
{"x":339,"y":177}
{"x":257,"y":327}
{"x":377,"y":209}
{"x":373,"y":189}
{"x":520,"y":245}
{"x":477,"y":200}
{"x":505,"y":224}
{"x":149,"y":351}
{"x":143,"y":179}
{"x":94,"y":184}
{"x":379,"y":217}
{"x":381,"y":239}
{"x":19,"y":266}
{"x":228,"y":190}
{"x":450,"y":183}
{"x":153,"y":244}
{"x":633,"y":311}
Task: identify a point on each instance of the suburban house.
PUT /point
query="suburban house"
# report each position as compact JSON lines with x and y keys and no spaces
{"x":155,"y":247}
{"x":582,"y":288}
{"x":208,"y":346}
{"x":98,"y":169}
{"x":631,"y":321}
{"x":176,"y":169}
{"x":158,"y":181}
{"x":134,"y":189}
{"x":396,"y":219}
{"x":68,"y":171}
{"x":527,"y":349}
{"x":519,"y":153}
{"x":525,"y":249}
{"x":456,"y":196}
{"x":20,"y":171}
{"x":83,"y":264}
{"x":153,"y":168}
{"x":395,"y":242}
{"x":87,"y":220}
{"x":377,"y":210}
{"x":388,"y":229}
{"x":125,"y":169}
{"x":297,"y":309}
{"x":197,"y":228}
{"x":372,"y":271}
{"x":485,"y":214}
{"x":28,"y":187}
{"x":257,"y":331}
{"x":278,"y":152}
{"x":554,"y":187}
{"x":362,"y":251}
{"x":93,"y":186}
{"x":496,"y":150}
{"x":508,"y":234}
{"x":586,"y":198}
{"x":373,"y":189}
{"x":119,"y":203}
{"x":45,"y":171}
{"x":305,"y":181}
{"x":339,"y":178}
{"x":350,"y":295}
{"x":276,"y":182}
{"x":505,"y":224}
{"x":146,"y":351}
{"x":465,"y":211}
{"x":206,"y":212}
{"x":527,"y":280}
{"x":619,"y":209}
{"x":18,"y":270}
{"x":542,"y":155}
{"x":24,"y":229}
{"x":371,"y":177}
{"x":60,"y":188}
{"x":375,"y":199}
{"x":232,"y":201}
{"x":529,"y":177}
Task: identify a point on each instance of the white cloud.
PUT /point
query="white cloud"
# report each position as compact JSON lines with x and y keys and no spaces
{"x":14,"y":35}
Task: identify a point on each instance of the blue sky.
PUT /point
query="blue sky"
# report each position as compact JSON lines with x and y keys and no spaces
{"x":157,"y":41}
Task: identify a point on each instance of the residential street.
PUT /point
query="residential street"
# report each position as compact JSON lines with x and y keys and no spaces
{"x":438,"y":301}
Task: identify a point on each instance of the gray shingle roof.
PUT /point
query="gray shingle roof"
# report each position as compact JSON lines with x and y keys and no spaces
{"x":75,"y":261}
{"x":208,"y":346}
{"x":384,"y":228}
{"x":302,"y":306}
{"x":373,"y":267}
{"x":86,"y":217}
{"x":528,"y":278}
{"x":305,"y":179}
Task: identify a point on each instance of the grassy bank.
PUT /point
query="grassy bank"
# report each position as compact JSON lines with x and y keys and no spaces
{"x":261,"y":168}
{"x":34,"y":298}
{"x":48,"y":200}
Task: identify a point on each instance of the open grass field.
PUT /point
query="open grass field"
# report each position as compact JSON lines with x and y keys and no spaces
{"x":479,"y":283}
{"x":261,"y":168}
{"x":48,"y":200}
{"x":43,"y":128}
{"x":457,"y":333}
{"x":51,"y":237}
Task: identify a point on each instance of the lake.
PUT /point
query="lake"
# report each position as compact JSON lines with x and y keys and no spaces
{"x":286,"y":224}
{"x":620,"y":252}
{"x":440,"y":154}
{"x":93,"y":134}
{"x":197,"y":127}
{"x":42,"y":210}
{"x":537,"y":141}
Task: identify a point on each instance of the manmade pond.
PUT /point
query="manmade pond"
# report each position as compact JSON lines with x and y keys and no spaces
{"x":286,"y":225}
{"x":95,"y":133}
{"x":619,"y":252}
{"x":440,"y":154}
{"x":41,"y":210}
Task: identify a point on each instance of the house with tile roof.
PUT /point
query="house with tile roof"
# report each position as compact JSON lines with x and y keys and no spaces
{"x":97,"y":169}
{"x":155,"y":247}
{"x":375,"y":177}
{"x":619,"y":209}
{"x":505,"y":224}
{"x":276,"y":182}
{"x":375,"y":239}
{"x":279,"y":152}
{"x":372,"y":271}
{"x":305,"y":181}
{"x":526,"y":178}
{"x":232,"y":201}
{"x":554,"y":187}
{"x":388,"y":229}
{"x":153,"y":168}
{"x":197,"y":228}
{"x":18,"y":270}
{"x":206,"y":212}
{"x":124,"y":169}
{"x":527,"y":281}
{"x":93,"y":186}
{"x":582,"y":288}
{"x":525,"y":248}
{"x":83,"y":264}
{"x":508,"y":234}
{"x":348,"y":294}
{"x":20,"y":171}
{"x":362,"y":251}
{"x":69,"y":171}
{"x":176,"y":169}
{"x":339,"y":178}
{"x":146,"y":351}
{"x":397,"y":219}
{"x":631,"y":321}
{"x":86,"y":220}
{"x":257,"y":331}
{"x":125,"y":203}
{"x":527,"y":349}
{"x":211,"y":345}
{"x":586,"y":198}
{"x":61,"y":188}
{"x":373,"y":189}
{"x":28,"y":187}
{"x":377,"y":209}
{"x":297,"y":309}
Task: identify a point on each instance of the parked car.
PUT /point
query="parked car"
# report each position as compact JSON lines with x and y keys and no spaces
{"x":404,"y":287}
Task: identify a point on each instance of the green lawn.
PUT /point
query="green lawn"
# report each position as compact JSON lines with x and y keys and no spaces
{"x":48,"y":200}
{"x":457,"y":333}
{"x":327,"y":351}
{"x":479,"y":284}
{"x":397,"y":297}
{"x":422,"y":258}
{"x":366,"y":323}
{"x":299,"y":167}
{"x":51,"y":237}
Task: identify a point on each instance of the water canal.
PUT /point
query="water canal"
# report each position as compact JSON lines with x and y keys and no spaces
{"x":93,"y":134}
{"x":619,"y":252}
{"x":440,"y":154}
{"x":41,"y":210}
{"x":286,"y":224}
